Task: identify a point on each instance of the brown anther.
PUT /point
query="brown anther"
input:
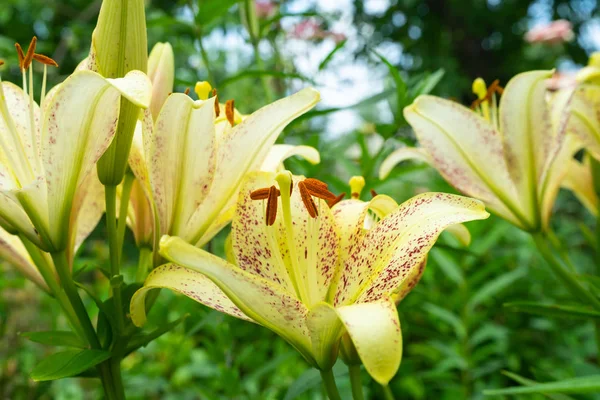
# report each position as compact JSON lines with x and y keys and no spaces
{"x":1,"y":63}
{"x":307,"y":199}
{"x":20,"y":55}
{"x":217,"y":108}
{"x":262,"y":194}
{"x":187,"y":91}
{"x":229,"y":104}
{"x":318,"y":189}
{"x":373,"y":193}
{"x":30,"y":53}
{"x":339,"y":198}
{"x":45,"y":60}
{"x":493,"y":88}
{"x":272,"y":206}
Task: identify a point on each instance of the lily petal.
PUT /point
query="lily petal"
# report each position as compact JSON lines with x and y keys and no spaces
{"x":13,"y":251}
{"x":181,"y":159}
{"x":584,"y":122}
{"x":135,"y":87}
{"x":280,"y":152}
{"x":390,"y":262}
{"x":468,"y":152}
{"x":403,"y":154}
{"x":244,"y":149}
{"x":82,"y":121}
{"x":375,"y":331}
{"x":579,"y":180}
{"x":161,"y":71}
{"x":461,"y":233}
{"x":266,"y":303}
{"x":325,"y":331}
{"x":185,"y":281}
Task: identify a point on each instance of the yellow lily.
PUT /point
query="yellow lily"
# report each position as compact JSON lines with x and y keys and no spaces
{"x":579,"y":180}
{"x":47,"y":152}
{"x":511,"y":156}
{"x":311,"y":273}
{"x":191,"y":161}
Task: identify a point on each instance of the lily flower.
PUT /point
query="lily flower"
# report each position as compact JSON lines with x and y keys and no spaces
{"x":192,"y":159}
{"x":47,"y":151}
{"x":310,"y":273}
{"x":512,"y":155}
{"x":579,"y":180}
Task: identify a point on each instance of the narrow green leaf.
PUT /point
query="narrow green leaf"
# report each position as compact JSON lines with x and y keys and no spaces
{"x":529,"y":382}
{"x":494,"y":287}
{"x":584,"y":384}
{"x":311,"y":379}
{"x":552,"y":310}
{"x":426,"y":85}
{"x":329,"y":56}
{"x":448,"y":317}
{"x":67,"y":363}
{"x":56,"y":338}
{"x":259,"y":73}
{"x":141,"y":340}
{"x":398,"y":81}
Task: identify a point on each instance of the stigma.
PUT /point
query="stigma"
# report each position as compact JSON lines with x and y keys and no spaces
{"x":486,"y":103}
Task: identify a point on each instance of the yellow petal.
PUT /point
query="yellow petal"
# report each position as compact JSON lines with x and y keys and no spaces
{"x":266,"y":303}
{"x":185,"y":281}
{"x":468,"y":152}
{"x":244,"y":149}
{"x":80,"y":125}
{"x":13,"y":251}
{"x":461,"y":233}
{"x":161,"y":71}
{"x":375,"y":331}
{"x":400,"y":155}
{"x":579,"y":180}
{"x":584,"y":122}
{"x":14,"y":219}
{"x":391,"y":258}
{"x":181,"y":160}
{"x":135,"y":87}
{"x":325,"y":332}
{"x":140,"y":216}
{"x":280,"y":152}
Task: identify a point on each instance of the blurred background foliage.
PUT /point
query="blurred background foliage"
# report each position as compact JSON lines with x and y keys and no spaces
{"x":369,"y":59}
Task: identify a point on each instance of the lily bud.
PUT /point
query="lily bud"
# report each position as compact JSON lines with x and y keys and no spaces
{"x":161,"y":71}
{"x":119,"y":45}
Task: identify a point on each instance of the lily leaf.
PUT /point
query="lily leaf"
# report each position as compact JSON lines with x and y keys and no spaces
{"x":584,"y":384}
{"x":552,"y":310}
{"x":56,"y":338}
{"x":528,"y":382}
{"x":67,"y":363}
{"x":142,"y":340}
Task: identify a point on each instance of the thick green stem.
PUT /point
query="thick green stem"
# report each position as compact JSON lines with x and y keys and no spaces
{"x":595,"y":166}
{"x":387,"y":392}
{"x":355,"y":382}
{"x":123,"y":208}
{"x":568,"y":279}
{"x":329,"y":384}
{"x":115,"y":252}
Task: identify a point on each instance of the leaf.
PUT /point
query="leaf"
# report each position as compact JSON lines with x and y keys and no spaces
{"x":449,"y":318}
{"x":329,"y":56}
{"x":209,"y":10}
{"x":56,"y":338}
{"x":528,"y":382}
{"x":311,"y":380}
{"x":399,"y":82}
{"x":585,"y":384}
{"x":258,"y":73}
{"x":142,"y":340}
{"x":552,"y":310}
{"x":426,"y":85}
{"x":67,"y":363}
{"x":494,"y":287}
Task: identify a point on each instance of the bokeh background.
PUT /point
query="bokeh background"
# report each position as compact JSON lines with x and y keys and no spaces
{"x":369,"y":59}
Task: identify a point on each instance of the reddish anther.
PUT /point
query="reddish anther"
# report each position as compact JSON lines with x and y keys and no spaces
{"x":272,"y":205}
{"x":339,"y":198}
{"x":318,"y":189}
{"x":45,"y":60}
{"x":30,"y":52}
{"x":229,"y":107}
{"x":307,"y":199}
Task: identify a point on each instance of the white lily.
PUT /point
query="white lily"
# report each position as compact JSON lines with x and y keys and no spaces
{"x":311,"y":274}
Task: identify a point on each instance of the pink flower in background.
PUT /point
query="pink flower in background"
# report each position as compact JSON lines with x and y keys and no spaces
{"x":310,"y":29}
{"x":264,"y":8}
{"x":558,"y":31}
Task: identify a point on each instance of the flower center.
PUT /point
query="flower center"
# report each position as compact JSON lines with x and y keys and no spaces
{"x":486,"y":103}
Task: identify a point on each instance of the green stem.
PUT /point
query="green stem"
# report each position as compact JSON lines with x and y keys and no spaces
{"x":110,"y":192}
{"x":123,"y":208}
{"x":556,"y":264}
{"x":204,"y":55}
{"x":387,"y":392}
{"x":330,"y":386}
{"x":255,"y":40}
{"x":355,"y":382}
{"x":595,"y":166}
{"x":144,"y":263}
{"x":47,"y":272}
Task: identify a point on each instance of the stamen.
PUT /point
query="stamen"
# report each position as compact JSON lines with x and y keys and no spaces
{"x":45,"y":60}
{"x":1,"y":63}
{"x":308,"y":201}
{"x":373,"y":193}
{"x":318,"y":189}
{"x":262,"y":194}
{"x":20,"y":55}
{"x":187,"y":91}
{"x":30,"y":53}
{"x":229,"y":111}
{"x":339,"y":198}
{"x":271,"y":213}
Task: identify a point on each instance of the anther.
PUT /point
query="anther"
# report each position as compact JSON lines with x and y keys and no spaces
{"x":20,"y":55}
{"x":308,"y":201}
{"x":187,"y":91}
{"x":339,"y":198}
{"x":318,"y":189}
{"x":217,"y":108}
{"x":373,"y":193}
{"x":1,"y":63}
{"x":229,"y":104}
{"x":272,"y":206}
{"x":45,"y":60}
{"x":30,"y":52}
{"x":262,"y":194}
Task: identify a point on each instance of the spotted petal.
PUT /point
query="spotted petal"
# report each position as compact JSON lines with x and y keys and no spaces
{"x":403,"y":154}
{"x":579,"y":180}
{"x":280,"y":152}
